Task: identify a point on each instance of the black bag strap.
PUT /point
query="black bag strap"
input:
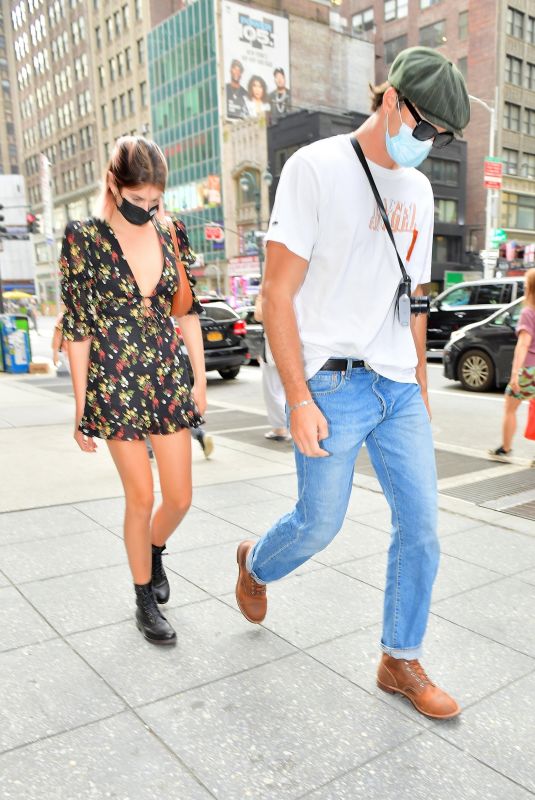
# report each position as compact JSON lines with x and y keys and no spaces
{"x":362,"y":158}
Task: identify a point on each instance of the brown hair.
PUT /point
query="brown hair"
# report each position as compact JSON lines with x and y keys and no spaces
{"x":377,"y":94}
{"x":134,"y":161}
{"x":529,"y":287}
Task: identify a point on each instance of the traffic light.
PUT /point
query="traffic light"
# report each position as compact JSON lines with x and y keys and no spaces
{"x":32,"y":222}
{"x":2,"y":229}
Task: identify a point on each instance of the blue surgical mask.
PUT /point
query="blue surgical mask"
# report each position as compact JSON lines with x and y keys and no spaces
{"x":404,"y":149}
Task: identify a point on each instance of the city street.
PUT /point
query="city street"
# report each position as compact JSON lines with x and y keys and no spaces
{"x":288,"y":709}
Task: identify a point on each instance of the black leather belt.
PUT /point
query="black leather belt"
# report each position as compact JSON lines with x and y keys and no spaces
{"x":340,"y":364}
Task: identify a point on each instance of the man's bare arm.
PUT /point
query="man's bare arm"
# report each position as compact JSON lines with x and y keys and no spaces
{"x":419,"y":334}
{"x":285,"y":272}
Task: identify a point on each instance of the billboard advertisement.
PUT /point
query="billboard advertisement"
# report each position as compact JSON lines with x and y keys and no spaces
{"x":256,"y":63}
{"x":195,"y":195}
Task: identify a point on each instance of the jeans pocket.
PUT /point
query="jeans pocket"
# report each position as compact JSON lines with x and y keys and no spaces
{"x":326,"y":382}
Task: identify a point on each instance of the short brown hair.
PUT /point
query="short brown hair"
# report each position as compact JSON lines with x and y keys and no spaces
{"x":134,"y":161}
{"x":377,"y":94}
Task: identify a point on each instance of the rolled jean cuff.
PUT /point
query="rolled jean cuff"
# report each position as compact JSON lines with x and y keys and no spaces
{"x":408,"y":654}
{"x":249,"y":566}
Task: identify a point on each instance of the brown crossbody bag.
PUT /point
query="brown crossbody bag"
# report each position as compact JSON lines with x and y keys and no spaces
{"x":183,"y":298}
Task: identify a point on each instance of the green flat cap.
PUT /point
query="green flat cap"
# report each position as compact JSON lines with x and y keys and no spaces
{"x":435,"y":86}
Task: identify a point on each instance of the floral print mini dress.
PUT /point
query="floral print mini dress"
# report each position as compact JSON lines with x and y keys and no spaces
{"x":138,"y":380}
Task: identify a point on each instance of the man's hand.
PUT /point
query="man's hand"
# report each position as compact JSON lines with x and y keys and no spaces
{"x":308,"y":427}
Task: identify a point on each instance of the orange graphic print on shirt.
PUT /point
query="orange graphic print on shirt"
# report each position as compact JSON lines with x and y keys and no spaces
{"x":402,"y":216}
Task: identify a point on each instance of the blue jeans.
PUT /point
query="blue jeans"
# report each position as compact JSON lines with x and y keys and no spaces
{"x":361,"y":406}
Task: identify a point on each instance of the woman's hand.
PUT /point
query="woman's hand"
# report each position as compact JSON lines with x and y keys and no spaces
{"x":513,"y":383}
{"x":199,"y":396}
{"x":85,"y":443}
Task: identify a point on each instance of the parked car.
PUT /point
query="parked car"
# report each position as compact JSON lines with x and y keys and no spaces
{"x":464,"y":303}
{"x":255,"y":332}
{"x":480,"y":355}
{"x":224,"y":338}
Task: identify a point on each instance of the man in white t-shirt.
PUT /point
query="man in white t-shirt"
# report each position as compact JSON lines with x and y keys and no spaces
{"x":353,"y":368}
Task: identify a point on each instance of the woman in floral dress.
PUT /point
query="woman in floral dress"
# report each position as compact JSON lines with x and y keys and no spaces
{"x":129,"y":374}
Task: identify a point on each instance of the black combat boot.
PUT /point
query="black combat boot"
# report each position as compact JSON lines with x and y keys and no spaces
{"x":160,"y":584}
{"x":149,"y":619}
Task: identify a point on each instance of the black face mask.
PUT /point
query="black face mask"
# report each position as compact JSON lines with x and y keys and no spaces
{"x":135,"y":214}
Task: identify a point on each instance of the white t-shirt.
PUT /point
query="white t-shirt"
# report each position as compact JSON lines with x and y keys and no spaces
{"x":325,"y":212}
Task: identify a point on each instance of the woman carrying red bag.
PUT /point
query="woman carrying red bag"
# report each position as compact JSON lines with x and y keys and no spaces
{"x":121,"y":277}
{"x":522,"y":383}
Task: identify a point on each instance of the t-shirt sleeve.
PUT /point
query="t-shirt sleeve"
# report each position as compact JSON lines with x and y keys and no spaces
{"x":76,"y":286}
{"x":423,"y":248}
{"x":295,"y":215}
{"x":526,"y":322}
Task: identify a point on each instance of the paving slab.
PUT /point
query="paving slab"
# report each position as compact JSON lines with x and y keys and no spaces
{"x":259,"y":517}
{"x":61,"y":555}
{"x":47,"y":689}
{"x":223,"y":495}
{"x":424,"y":767}
{"x":117,"y":757}
{"x":353,"y":541}
{"x":313,"y":607}
{"x":42,"y":523}
{"x":499,"y":732}
{"x":4,"y":581}
{"x":470,"y":674}
{"x":108,"y":512}
{"x":528,"y":576}
{"x":280,"y":484}
{"x":454,"y":576}
{"x":19,"y":622}
{"x":97,"y":597}
{"x":277,"y":731}
{"x":494,"y":548}
{"x":212,"y":642}
{"x":502,"y":611}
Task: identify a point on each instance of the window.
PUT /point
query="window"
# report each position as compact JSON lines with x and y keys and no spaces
{"x":510,"y":161}
{"x":463,"y":296}
{"x":511,"y":116}
{"x":117,"y":22}
{"x":143,"y":94}
{"x":462,"y":65}
{"x":139,"y":9}
{"x":115,"y":109}
{"x":104,"y":113}
{"x":515,"y":23}
{"x":489,"y":294}
{"x":101,"y":77}
{"x":393,"y":47}
{"x":531,"y":30}
{"x":126,"y":16}
{"x":109,"y":28}
{"x":120,"y":64}
{"x":518,"y":211}
{"x":512,"y":315}
{"x":513,"y":70}
{"x":122,"y":101}
{"x":395,"y":9}
{"x":362,"y":22}
{"x":140,"y":51}
{"x":128,"y":58}
{"x":463,"y":25}
{"x":527,"y":167}
{"x":433,"y":35}
{"x":113,"y":69}
{"x":131,"y":101}
{"x":428,"y":3}
{"x":529,"y":121}
{"x":446,"y":210}
{"x":98,"y":37}
{"x":529,"y":76}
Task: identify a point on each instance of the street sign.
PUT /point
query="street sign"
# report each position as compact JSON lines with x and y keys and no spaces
{"x":499,"y":235}
{"x":214,"y":233}
{"x":493,"y":172}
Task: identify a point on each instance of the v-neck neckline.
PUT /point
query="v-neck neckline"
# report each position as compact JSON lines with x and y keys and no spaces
{"x":130,"y":270}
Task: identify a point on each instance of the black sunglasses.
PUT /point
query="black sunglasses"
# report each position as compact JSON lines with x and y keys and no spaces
{"x":425,"y":131}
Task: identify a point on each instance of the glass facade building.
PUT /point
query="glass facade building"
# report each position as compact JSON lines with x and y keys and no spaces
{"x":182,"y":61}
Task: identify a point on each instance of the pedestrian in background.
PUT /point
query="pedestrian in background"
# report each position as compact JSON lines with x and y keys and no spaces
{"x":337,"y":310}
{"x":274,"y":397}
{"x":522,"y":383}
{"x":120,"y":274}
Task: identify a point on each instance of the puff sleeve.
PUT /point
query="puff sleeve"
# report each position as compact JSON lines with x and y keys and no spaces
{"x":76,"y":285}
{"x":188,"y":258}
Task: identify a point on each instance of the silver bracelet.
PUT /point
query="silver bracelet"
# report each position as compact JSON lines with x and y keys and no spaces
{"x":300,"y":405}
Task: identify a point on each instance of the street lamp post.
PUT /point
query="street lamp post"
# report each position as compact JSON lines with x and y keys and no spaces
{"x":492,"y":140}
{"x":248,"y":182}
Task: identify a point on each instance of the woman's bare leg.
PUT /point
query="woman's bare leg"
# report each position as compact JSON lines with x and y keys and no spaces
{"x":133,"y":465}
{"x":509,"y":421}
{"x":173,"y":457}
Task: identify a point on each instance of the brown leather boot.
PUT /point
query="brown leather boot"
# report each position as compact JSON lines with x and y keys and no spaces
{"x":409,"y":678}
{"x":250,"y":595}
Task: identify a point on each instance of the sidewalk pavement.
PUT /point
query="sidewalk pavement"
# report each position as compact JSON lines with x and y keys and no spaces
{"x":288,"y":709}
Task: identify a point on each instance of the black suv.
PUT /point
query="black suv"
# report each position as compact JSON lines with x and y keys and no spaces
{"x":469,"y":302}
{"x":480,"y":355}
{"x":224,"y":338}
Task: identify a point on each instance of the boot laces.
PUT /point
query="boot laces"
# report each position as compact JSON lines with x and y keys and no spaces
{"x":149,"y":606}
{"x":254,"y":588}
{"x":419,"y":672}
{"x":158,"y":572}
